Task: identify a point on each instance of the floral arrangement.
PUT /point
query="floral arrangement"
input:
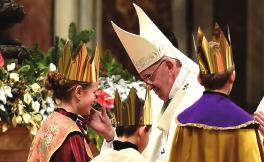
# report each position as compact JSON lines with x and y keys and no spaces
{"x":116,"y":82}
{"x":22,"y":101}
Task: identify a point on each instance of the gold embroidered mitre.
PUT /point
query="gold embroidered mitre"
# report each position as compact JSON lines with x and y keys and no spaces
{"x":150,"y":45}
{"x":214,"y":56}
{"x":79,"y":67}
{"x":130,"y":112}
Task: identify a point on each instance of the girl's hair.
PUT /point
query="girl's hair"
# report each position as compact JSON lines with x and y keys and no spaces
{"x":59,"y":87}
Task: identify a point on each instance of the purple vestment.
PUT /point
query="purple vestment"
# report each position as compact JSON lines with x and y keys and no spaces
{"x":214,"y":109}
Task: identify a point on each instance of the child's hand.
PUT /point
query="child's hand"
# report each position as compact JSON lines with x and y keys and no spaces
{"x":100,"y":122}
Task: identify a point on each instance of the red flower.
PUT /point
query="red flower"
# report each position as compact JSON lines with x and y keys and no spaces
{"x":2,"y":61}
{"x":103,"y":70}
{"x":104,"y":99}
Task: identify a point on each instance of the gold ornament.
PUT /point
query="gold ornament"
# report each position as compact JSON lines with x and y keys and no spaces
{"x":128,"y":112}
{"x":79,"y":67}
{"x":214,"y":56}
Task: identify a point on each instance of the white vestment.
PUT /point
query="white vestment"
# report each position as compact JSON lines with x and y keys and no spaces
{"x":124,"y":155}
{"x":184,"y":94}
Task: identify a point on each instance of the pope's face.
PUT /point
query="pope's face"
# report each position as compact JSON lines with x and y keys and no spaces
{"x":160,"y":77}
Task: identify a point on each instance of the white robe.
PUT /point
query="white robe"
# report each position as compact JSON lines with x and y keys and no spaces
{"x":124,"y":155}
{"x":184,"y":94}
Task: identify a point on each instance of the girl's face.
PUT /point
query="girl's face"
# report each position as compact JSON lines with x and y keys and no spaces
{"x":87,"y":98}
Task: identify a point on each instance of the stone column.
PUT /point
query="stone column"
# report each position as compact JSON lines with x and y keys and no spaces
{"x":255,"y":53}
{"x":65,"y":13}
{"x":202,"y":17}
{"x":187,"y":15}
{"x":87,"y":14}
{"x":179,"y":23}
{"x":97,"y":21}
{"x":90,"y":16}
{"x":86,"y":10}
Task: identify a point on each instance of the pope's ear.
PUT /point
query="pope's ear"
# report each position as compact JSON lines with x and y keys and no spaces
{"x":169,"y":63}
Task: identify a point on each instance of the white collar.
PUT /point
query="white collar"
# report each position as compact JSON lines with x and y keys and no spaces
{"x":178,"y":82}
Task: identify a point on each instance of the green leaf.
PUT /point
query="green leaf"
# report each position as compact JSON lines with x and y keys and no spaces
{"x":3,"y":73}
{"x":24,"y":69}
{"x":72,"y":31}
{"x":41,"y":66}
{"x":85,"y":36}
{"x":113,"y":67}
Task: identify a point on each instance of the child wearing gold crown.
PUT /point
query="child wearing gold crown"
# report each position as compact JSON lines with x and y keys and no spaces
{"x":214,"y":128}
{"x":62,"y":135}
{"x":133,"y":121}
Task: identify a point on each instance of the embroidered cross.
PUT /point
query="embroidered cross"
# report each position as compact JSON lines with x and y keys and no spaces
{"x":185,"y":86}
{"x":162,"y":151}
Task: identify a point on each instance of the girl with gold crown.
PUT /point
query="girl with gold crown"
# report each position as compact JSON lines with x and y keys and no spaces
{"x":62,"y":135}
{"x":214,"y":128}
{"x":133,"y":121}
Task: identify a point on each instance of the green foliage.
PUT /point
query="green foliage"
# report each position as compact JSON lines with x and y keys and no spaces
{"x":3,"y":74}
{"x":97,"y":139}
{"x":16,"y":83}
{"x":55,"y":51}
{"x":112,"y":67}
{"x":109,"y":66}
{"x":34,"y":66}
{"x":75,"y":38}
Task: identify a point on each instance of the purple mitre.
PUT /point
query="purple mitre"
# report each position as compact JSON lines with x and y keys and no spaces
{"x":214,"y":109}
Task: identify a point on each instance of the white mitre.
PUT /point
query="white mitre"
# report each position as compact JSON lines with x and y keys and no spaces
{"x":151,"y":45}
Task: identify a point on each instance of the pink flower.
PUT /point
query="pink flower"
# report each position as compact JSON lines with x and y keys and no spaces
{"x":2,"y":61}
{"x":104,"y":99}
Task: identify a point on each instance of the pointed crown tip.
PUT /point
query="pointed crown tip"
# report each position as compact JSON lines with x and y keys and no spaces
{"x":79,"y":66}
{"x":214,"y":56}
{"x":131,"y":111}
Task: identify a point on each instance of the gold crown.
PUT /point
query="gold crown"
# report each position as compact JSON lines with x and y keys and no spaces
{"x":128,"y":112}
{"x":79,"y":67}
{"x":215,"y":56}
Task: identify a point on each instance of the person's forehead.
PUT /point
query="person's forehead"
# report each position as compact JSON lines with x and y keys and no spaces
{"x":149,"y":69}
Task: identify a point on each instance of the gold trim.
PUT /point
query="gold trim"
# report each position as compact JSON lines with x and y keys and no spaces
{"x":74,"y":128}
{"x":204,"y":126}
{"x":64,"y":137}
